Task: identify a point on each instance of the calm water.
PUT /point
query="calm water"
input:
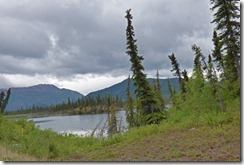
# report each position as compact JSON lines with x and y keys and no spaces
{"x":78,"y":124}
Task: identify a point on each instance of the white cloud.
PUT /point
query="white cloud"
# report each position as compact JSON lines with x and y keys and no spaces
{"x":81,"y":83}
{"x":89,"y":83}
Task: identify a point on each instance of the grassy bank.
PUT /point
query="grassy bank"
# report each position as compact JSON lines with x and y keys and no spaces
{"x":8,"y":155}
{"x":185,"y":136}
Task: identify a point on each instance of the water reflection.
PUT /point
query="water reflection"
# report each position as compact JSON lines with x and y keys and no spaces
{"x":78,"y":124}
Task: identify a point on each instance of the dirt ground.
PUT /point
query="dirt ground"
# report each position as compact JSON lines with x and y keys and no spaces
{"x":194,"y":144}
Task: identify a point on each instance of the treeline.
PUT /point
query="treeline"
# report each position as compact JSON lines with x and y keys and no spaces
{"x":214,"y":81}
{"x":4,"y":100}
{"x":216,"y":78}
{"x":85,"y":105}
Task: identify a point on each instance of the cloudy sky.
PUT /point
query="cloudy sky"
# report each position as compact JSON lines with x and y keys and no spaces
{"x":80,"y":44}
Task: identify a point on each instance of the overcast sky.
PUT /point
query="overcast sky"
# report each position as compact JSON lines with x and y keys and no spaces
{"x":80,"y":44}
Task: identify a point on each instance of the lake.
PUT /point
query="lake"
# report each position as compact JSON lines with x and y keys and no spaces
{"x":78,"y":124}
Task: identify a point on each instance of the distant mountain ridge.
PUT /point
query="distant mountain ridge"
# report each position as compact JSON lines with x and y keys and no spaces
{"x":39,"y":95}
{"x":120,"y":88}
{"x":47,"y":95}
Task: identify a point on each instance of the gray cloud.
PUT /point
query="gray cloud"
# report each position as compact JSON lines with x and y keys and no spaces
{"x":20,"y":38}
{"x":65,"y":38}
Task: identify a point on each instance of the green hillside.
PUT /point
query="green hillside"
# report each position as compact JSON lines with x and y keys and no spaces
{"x":39,"y":95}
{"x":184,"y":136}
{"x":120,"y":88}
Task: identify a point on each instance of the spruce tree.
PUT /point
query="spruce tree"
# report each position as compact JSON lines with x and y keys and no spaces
{"x":176,"y":68}
{"x":217,"y":53}
{"x":185,"y":76}
{"x":207,"y":90}
{"x":213,"y":79}
{"x":112,"y":118}
{"x":227,"y":20}
{"x":146,"y":101}
{"x":170,"y":89}
{"x":199,"y":62}
{"x":130,"y":116}
{"x":4,"y":100}
{"x":158,"y":91}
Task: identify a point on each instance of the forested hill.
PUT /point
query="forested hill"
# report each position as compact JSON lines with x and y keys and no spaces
{"x":45,"y":95}
{"x":120,"y":88}
{"x":39,"y":95}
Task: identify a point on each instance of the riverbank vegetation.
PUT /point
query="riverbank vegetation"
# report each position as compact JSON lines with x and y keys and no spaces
{"x":185,"y":135}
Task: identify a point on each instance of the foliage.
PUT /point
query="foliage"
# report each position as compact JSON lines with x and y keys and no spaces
{"x":146,"y":102}
{"x":217,"y":53}
{"x":155,"y":118}
{"x":170,"y":89}
{"x":178,"y":73}
{"x":130,"y":114}
{"x":227,"y":49}
{"x":85,"y":105}
{"x":112,"y":119}
{"x":202,"y":89}
{"x":176,"y":66}
{"x":24,"y":137}
{"x":158,"y":92}
{"x":4,"y":100}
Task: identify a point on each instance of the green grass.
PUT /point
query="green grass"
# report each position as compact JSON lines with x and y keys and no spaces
{"x":184,"y":136}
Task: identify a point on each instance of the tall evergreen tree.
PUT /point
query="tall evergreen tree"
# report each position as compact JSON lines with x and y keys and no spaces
{"x":227,"y":20}
{"x":130,"y":116}
{"x":4,"y":100}
{"x":158,"y":91}
{"x":200,"y":66}
{"x":213,"y":79}
{"x":185,"y":76}
{"x":176,"y":69}
{"x":217,"y":53}
{"x":146,"y":101}
{"x":199,"y":62}
{"x":112,"y":118}
{"x":176,"y":66}
{"x":171,"y":92}
{"x":210,"y":74}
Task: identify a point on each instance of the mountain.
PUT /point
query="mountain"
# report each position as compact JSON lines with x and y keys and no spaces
{"x":47,"y":95}
{"x":120,"y":88}
{"x":39,"y":95}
